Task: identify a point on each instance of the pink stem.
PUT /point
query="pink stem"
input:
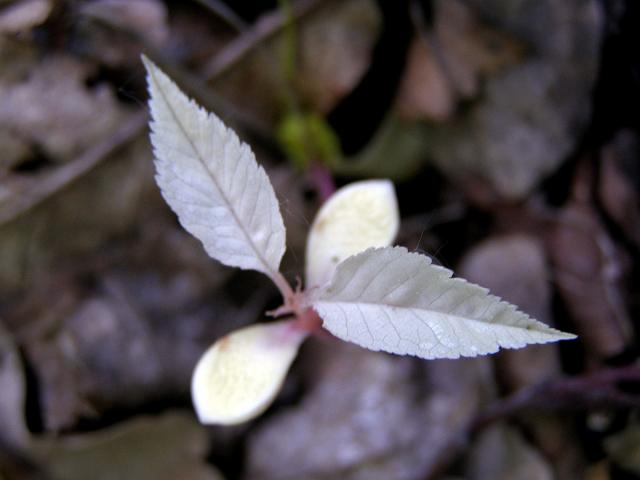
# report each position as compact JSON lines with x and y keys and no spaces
{"x":322,"y":180}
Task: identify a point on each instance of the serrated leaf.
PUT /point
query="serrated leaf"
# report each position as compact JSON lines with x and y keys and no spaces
{"x":392,"y":300}
{"x":358,"y":216}
{"x":212,"y":181}
{"x":241,"y":374}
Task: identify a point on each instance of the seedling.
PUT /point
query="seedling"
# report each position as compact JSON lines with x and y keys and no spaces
{"x":358,"y":287}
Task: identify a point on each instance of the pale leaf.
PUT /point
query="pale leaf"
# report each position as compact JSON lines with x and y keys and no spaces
{"x":358,"y":216}
{"x":393,"y":300}
{"x":240,"y":375}
{"x":212,"y":181}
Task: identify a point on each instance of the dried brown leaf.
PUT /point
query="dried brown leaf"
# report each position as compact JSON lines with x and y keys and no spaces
{"x":425,"y":92}
{"x":167,"y":447}
{"x":589,"y":271}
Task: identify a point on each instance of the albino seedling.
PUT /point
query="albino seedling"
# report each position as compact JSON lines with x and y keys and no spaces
{"x":364,"y":291}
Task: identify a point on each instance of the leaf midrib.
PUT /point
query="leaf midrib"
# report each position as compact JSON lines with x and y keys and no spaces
{"x":199,"y":156}
{"x":545,"y":330}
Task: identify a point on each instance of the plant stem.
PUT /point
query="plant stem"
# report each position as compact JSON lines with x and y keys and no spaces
{"x":285,"y":288}
{"x":322,"y":180}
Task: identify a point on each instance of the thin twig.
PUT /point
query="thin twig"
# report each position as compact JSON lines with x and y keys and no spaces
{"x":30,"y":192}
{"x":34,"y":190}
{"x":267,"y":26}
{"x":594,"y":390}
{"x":225,"y":13}
{"x":192,"y":83}
{"x":194,"y":86}
{"x":430,"y":37}
{"x":578,"y":393}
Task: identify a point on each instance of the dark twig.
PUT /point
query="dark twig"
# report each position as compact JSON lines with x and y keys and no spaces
{"x":32,"y":191}
{"x":192,"y":83}
{"x":225,"y":13}
{"x":594,"y":390}
{"x":428,"y":34}
{"x":195,"y":87}
{"x":27,"y":193}
{"x":579,"y":393}
{"x":262,"y":30}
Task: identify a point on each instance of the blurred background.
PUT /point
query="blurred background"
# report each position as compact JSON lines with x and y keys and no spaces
{"x":510,"y":129}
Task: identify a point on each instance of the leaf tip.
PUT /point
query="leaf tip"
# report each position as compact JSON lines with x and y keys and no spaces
{"x":149,"y":66}
{"x":560,"y":335}
{"x":145,"y":60}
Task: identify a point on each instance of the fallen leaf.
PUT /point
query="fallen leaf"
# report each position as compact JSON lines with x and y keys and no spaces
{"x":425,"y":92}
{"x":145,"y":18}
{"x":618,"y":183}
{"x":12,"y":385}
{"x":53,"y":108}
{"x":501,"y":453}
{"x":624,"y":448}
{"x":446,"y":64}
{"x":166,"y":447}
{"x":370,"y":417}
{"x":113,"y":350}
{"x":514,"y":267}
{"x":510,"y":141}
{"x":38,"y":242}
{"x":335,"y":48}
{"x":469,"y":48}
{"x":334,"y":44}
{"x":588,"y":269}
{"x":24,"y":15}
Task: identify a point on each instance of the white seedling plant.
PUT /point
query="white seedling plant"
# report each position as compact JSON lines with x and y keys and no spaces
{"x":363,"y":290}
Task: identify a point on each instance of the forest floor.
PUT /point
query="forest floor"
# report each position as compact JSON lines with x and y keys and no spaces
{"x":511,"y":133}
